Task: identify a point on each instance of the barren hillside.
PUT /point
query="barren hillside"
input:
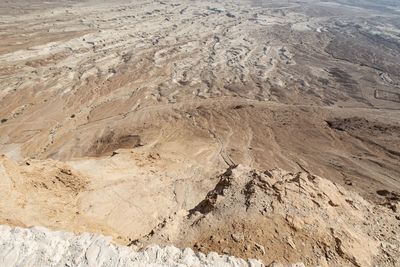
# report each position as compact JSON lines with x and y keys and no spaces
{"x":119,"y":116}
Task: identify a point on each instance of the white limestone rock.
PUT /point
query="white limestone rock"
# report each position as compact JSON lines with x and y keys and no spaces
{"x":39,"y":246}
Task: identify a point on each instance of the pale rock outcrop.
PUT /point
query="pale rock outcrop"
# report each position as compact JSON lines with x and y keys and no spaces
{"x":39,"y":246}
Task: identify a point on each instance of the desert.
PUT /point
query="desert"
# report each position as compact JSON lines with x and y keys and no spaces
{"x":262,"y":132}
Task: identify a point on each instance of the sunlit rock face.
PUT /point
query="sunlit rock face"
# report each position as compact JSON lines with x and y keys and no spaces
{"x":118,"y":117}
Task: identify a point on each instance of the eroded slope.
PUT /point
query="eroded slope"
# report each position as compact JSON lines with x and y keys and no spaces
{"x":278,"y":215}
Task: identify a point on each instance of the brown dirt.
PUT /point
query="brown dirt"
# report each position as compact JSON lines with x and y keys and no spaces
{"x":288,"y":217}
{"x":117,"y":115}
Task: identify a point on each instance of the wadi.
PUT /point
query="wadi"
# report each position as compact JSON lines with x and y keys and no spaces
{"x":199,"y":133}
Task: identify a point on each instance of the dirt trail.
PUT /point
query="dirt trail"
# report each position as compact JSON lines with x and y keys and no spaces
{"x":118,"y":115}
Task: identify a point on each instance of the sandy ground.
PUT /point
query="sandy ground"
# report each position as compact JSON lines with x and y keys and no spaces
{"x":116,"y":115}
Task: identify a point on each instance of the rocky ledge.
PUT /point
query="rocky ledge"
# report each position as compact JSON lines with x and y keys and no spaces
{"x":39,"y":246}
